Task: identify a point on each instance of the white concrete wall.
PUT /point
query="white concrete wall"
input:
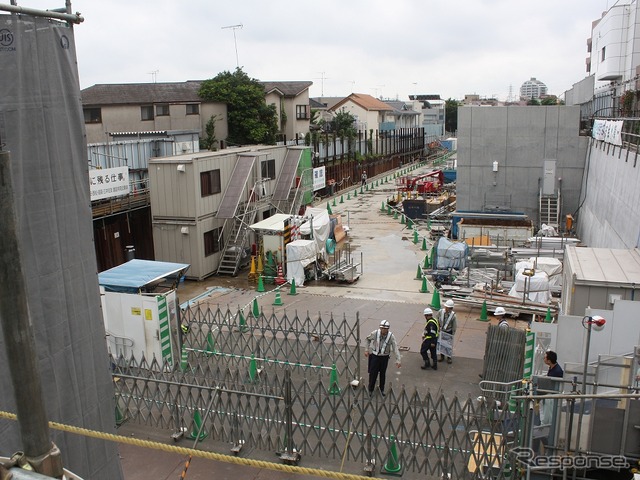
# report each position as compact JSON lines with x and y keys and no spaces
{"x":519,"y":139}
{"x":610,"y":214}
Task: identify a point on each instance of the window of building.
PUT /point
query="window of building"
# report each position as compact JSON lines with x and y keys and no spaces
{"x":213,"y":241}
{"x":302,"y":112}
{"x":146,"y":112}
{"x":162,"y":110}
{"x":603,"y":53}
{"x":209,"y":183}
{"x":193,"y":109}
{"x":268,"y":169}
{"x":92,"y":115}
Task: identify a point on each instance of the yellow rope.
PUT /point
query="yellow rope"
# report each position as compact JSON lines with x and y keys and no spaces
{"x":195,"y":453}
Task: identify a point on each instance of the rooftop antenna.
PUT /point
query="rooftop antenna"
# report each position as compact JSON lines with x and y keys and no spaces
{"x":322,"y":79}
{"x":375,"y":89}
{"x":235,"y":41}
{"x":154,"y":75}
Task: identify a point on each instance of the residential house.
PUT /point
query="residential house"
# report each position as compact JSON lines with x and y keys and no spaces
{"x":291,"y":100}
{"x":433,"y":113}
{"x":149,"y":107}
{"x":405,"y":114}
{"x":369,"y":112}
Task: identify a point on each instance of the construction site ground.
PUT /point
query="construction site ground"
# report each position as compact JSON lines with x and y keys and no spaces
{"x":387,"y":289}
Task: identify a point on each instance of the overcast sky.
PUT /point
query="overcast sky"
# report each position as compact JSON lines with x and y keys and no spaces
{"x":388,"y":49}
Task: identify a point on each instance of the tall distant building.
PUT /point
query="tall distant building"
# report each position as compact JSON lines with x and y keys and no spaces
{"x":533,"y":89}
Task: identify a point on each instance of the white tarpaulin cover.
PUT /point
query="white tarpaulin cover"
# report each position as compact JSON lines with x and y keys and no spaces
{"x":300,"y":253}
{"x":551,"y":266}
{"x":537,"y":287}
{"x":321,"y":228}
{"x":42,"y":125}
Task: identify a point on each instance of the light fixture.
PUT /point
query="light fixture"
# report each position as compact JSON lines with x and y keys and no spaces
{"x":184,"y":230}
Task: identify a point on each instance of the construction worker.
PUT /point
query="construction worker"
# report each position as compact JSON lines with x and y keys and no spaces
{"x":378,"y":347}
{"x":448,"y":323}
{"x":429,"y":340}
{"x":500,"y":313}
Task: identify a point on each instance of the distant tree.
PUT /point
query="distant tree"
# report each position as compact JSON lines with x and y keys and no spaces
{"x":533,"y":101}
{"x":210,"y":142}
{"x":344,"y":124}
{"x":250,"y":120}
{"x":549,"y":101}
{"x":451,"y":115}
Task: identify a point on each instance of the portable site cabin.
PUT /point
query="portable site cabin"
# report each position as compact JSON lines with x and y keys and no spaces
{"x":139,"y":308}
{"x":597,"y":277}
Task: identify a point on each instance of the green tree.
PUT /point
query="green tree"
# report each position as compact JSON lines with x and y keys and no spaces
{"x":533,"y":101}
{"x":250,"y":120}
{"x":451,"y":115}
{"x":210,"y":142}
{"x":552,"y":100}
{"x":344,"y":124}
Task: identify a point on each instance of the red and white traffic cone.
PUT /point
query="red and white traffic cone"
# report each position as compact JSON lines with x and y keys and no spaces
{"x":280,"y":280}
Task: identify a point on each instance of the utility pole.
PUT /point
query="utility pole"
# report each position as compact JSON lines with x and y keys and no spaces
{"x":235,"y":42}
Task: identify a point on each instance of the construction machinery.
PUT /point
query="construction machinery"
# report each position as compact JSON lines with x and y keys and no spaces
{"x":425,"y":183}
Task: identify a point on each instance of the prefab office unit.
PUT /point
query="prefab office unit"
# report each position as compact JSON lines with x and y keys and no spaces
{"x":196,"y":198}
{"x":140,"y":309}
{"x":597,"y":277}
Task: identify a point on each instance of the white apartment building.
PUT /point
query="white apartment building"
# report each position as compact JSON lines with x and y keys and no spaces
{"x":533,"y":88}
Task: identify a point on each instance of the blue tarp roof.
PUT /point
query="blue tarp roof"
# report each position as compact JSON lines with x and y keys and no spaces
{"x":137,"y":274}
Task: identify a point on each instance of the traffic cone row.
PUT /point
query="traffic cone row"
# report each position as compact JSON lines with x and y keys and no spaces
{"x":392,"y":465}
{"x":483,"y":312}
{"x":435,"y":299}
{"x":292,"y":291}
{"x":197,"y":427}
{"x":334,"y":388}
{"x":425,"y":287}
{"x":278,"y":300}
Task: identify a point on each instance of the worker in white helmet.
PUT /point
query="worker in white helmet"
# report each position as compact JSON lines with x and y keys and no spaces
{"x":448,"y":325}
{"x":500,"y":314}
{"x":429,"y":340}
{"x":378,"y":347}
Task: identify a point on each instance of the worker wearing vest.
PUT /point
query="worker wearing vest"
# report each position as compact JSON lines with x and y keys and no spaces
{"x":448,"y":323}
{"x":378,"y":347}
{"x":500,"y":315}
{"x":429,"y":340}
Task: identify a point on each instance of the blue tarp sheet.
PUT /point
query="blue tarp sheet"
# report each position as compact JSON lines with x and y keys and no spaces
{"x":137,"y":274}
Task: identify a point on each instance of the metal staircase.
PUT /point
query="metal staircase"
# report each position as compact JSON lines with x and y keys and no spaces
{"x":234,"y":248}
{"x":284,"y":200}
{"x":549,"y":209}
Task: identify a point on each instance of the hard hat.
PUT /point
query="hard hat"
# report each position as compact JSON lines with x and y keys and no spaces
{"x":428,"y":311}
{"x":499,"y":311}
{"x":384,"y":324}
{"x":448,"y":304}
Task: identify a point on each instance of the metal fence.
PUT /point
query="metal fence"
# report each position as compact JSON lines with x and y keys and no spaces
{"x":269,"y":384}
{"x":426,"y":434}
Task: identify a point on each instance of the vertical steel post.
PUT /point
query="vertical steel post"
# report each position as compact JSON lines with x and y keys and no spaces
{"x":19,"y":338}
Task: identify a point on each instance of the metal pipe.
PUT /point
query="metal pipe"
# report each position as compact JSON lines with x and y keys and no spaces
{"x":19,"y":338}
{"x":67,"y":17}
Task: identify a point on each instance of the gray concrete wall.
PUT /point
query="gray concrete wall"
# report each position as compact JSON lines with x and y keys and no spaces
{"x":610,"y":214}
{"x":519,"y":139}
